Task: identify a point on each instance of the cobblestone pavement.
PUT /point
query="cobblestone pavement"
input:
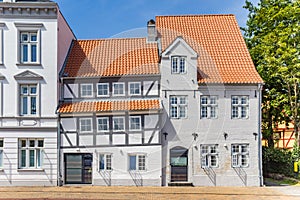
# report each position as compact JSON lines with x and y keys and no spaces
{"x":123,"y":193}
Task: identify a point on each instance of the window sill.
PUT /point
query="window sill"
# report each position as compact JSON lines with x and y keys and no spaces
{"x":29,"y":64}
{"x":30,"y":170}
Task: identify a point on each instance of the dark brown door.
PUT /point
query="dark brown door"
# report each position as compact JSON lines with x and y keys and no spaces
{"x":179,"y":164}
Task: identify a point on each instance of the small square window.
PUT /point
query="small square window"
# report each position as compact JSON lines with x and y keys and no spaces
{"x":135,"y":122}
{"x":118,"y":89}
{"x":86,"y":90}
{"x":135,"y":88}
{"x":86,"y":125}
{"x":103,"y":124}
{"x":118,"y":123}
{"x":103,"y":89}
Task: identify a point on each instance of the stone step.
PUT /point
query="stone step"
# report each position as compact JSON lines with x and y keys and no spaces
{"x":180,"y":184}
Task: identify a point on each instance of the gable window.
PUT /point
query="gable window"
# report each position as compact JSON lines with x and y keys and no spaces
{"x":239,"y":107}
{"x":118,"y":89}
{"x":86,"y":90}
{"x":135,"y":122}
{"x":28,"y":99}
{"x":105,"y":162}
{"x":85,"y":125}
{"x":135,"y":88}
{"x":178,"y":106}
{"x":137,"y":162}
{"x":209,"y":107}
{"x":31,"y":153}
{"x":209,"y":156}
{"x":118,"y":124}
{"x":178,"y":65}
{"x":1,"y":153}
{"x":240,"y":155}
{"x":102,"y":89}
{"x":29,"y":47}
{"x":103,"y":124}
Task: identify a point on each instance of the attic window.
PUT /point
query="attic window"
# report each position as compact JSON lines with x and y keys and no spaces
{"x":178,"y":65}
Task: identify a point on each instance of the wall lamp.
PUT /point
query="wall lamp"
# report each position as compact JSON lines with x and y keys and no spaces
{"x":195,"y":135}
{"x":255,"y":135}
{"x":165,"y":134}
{"x":225,"y":135}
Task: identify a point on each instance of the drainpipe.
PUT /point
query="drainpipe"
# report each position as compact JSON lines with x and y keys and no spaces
{"x":261,"y":180}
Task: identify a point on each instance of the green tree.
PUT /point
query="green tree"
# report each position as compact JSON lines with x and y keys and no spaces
{"x":273,"y":38}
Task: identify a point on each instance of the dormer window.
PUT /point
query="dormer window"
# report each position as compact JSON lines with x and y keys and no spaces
{"x":178,"y":65}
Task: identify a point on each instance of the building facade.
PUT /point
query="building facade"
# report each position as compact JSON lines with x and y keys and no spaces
{"x":34,"y":41}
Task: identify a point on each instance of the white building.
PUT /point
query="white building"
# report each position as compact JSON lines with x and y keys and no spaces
{"x":34,"y":41}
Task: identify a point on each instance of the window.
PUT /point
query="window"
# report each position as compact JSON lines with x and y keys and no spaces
{"x":86,"y":90}
{"x":105,"y":162}
{"x":209,"y":156}
{"x":29,"y":47}
{"x":240,"y":155}
{"x":135,"y":88}
{"x":178,"y":65}
{"x":85,"y":125}
{"x":118,"y":124}
{"x":135,"y":122}
{"x":31,"y":153}
{"x":118,"y":89}
{"x":137,"y":162}
{"x":103,"y":90}
{"x":239,"y":107}
{"x":103,"y":124}
{"x":209,"y":107}
{"x":28,"y":98}
{"x":178,"y":106}
{"x":1,"y":153}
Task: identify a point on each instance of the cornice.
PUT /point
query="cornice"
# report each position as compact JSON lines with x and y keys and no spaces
{"x":29,"y":10}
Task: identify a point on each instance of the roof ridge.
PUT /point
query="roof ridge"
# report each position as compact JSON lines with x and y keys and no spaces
{"x":195,"y":15}
{"x":106,"y":39}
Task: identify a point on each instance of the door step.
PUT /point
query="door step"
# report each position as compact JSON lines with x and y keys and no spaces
{"x":180,"y":184}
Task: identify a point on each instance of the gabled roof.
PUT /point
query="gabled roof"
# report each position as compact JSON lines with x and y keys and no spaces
{"x":28,"y":75}
{"x":112,"y":57}
{"x":102,"y":106}
{"x":223,"y":54}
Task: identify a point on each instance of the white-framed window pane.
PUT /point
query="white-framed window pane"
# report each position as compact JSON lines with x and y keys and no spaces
{"x":118,"y":89}
{"x":208,"y":106}
{"x":213,"y":161}
{"x":85,"y":125}
{"x":135,"y":123}
{"x":204,"y":112}
{"x":86,"y":90}
{"x":118,"y":124}
{"x":24,"y":53}
{"x":204,"y":100}
{"x":108,"y":162}
{"x":132,"y":162}
{"x":31,"y":153}
{"x":103,"y":124}
{"x":178,"y":106}
{"x":29,"y":47}
{"x":209,"y":155}
{"x":240,"y":155}
{"x":174,"y":111}
{"x":174,"y":65}
{"x":28,"y":99}
{"x":182,"y":112}
{"x":244,"y":112}
{"x":182,"y":101}
{"x":182,"y":65}
{"x":235,"y":100}
{"x":103,"y":89}
{"x":142,"y":162}
{"x":173,"y":100}
{"x":134,"y":88}
{"x":213,"y":112}
{"x":235,"y":160}
{"x":235,"y":112}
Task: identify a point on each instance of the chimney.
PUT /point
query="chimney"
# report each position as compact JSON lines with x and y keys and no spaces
{"x":151,"y":30}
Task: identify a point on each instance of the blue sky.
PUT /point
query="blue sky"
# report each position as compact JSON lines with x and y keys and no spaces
{"x":91,"y":19}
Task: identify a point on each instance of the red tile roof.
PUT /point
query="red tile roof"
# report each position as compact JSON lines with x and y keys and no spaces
{"x":105,"y":106}
{"x":112,"y":57}
{"x":223,"y":54}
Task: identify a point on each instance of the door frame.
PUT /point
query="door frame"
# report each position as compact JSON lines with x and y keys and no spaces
{"x":182,"y":165}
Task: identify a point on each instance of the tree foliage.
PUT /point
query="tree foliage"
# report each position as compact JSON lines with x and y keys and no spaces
{"x":273,"y":38}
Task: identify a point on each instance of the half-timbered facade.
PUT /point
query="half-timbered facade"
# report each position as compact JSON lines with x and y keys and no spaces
{"x":34,"y":41}
{"x":110,"y":113}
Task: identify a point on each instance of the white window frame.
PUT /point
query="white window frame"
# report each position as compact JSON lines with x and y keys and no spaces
{"x":81,"y":125}
{"x":139,"y":88}
{"x":102,"y":95}
{"x":178,"y":107}
{"x":207,"y":153}
{"x":87,"y":91}
{"x":178,"y":68}
{"x":1,"y":43}
{"x":113,"y":120}
{"x":37,"y":149}
{"x":140,"y":123}
{"x":238,"y":155}
{"x":29,"y":43}
{"x":237,"y":107}
{"x":208,"y":107}
{"x":139,"y":166}
{"x":107,"y":124}
{"x":29,"y":95}
{"x":107,"y":162}
{"x":1,"y":152}
{"x":113,"y":89}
